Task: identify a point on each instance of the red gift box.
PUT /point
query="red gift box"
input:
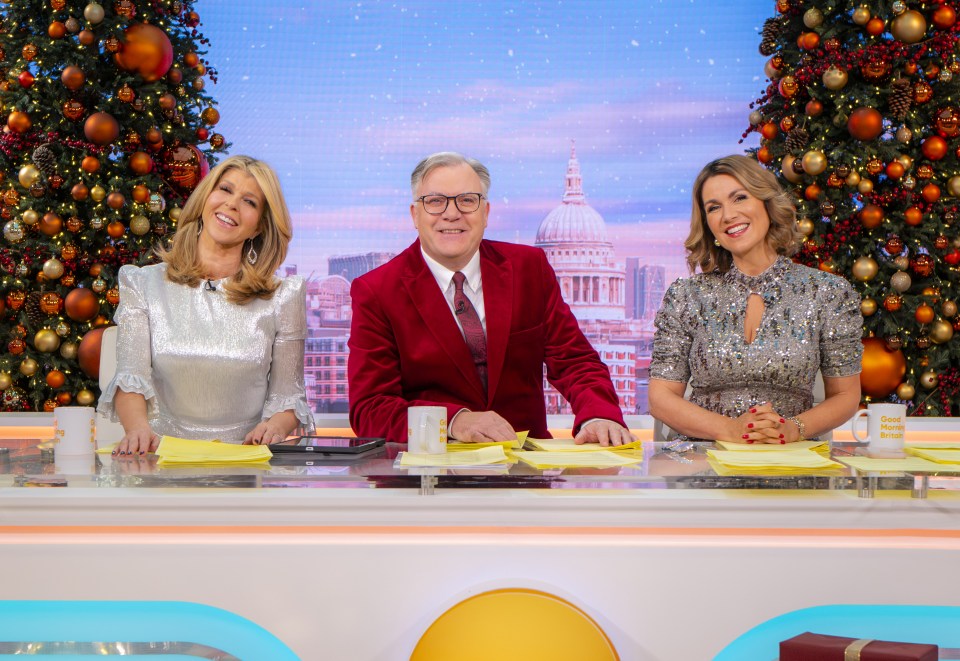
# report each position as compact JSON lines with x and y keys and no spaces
{"x":817,"y":647}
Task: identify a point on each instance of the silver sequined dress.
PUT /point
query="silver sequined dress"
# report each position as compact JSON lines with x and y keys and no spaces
{"x":811,"y":320}
{"x":208,"y":368}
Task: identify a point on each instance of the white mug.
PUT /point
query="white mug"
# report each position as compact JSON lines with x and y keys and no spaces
{"x":427,"y":429}
{"x":75,"y":430}
{"x":885,"y":426}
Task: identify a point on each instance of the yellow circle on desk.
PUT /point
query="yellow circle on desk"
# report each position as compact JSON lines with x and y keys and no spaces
{"x":514,"y":624}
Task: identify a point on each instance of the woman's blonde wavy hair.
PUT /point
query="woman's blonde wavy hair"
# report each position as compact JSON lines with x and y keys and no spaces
{"x":274,"y":232}
{"x":783,"y":236}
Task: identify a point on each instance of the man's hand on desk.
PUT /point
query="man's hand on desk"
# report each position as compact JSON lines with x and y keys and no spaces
{"x":482,"y":427}
{"x":604,"y":432}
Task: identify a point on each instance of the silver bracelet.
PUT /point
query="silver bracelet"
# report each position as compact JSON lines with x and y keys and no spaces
{"x":800,"y":427}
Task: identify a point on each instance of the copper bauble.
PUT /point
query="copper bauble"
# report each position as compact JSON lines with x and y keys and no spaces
{"x":934,"y":147}
{"x":88,"y":354}
{"x":73,"y":78}
{"x":80,"y":192}
{"x":116,"y":229}
{"x":50,"y":224}
{"x":73,"y":110}
{"x":50,"y":302}
{"x":868,"y":307}
{"x":140,"y":194}
{"x":116,"y":200}
{"x":126,"y":93}
{"x":15,"y":299}
{"x":883,"y":370}
{"x":81,"y":304}
{"x":101,"y":128}
{"x":894,"y":245}
{"x":19,"y":122}
{"x":909,"y":27}
{"x":16,"y":346}
{"x":217,"y":141}
{"x":210,"y":116}
{"x":865,"y":124}
{"x":922,"y":92}
{"x":923,"y":265}
{"x":185,"y":166}
{"x":905,"y":391}
{"x":923,"y":314}
{"x":892,"y":302}
{"x":865,"y":269}
{"x":140,"y":163}
{"x":786,"y":167}
{"x":87,"y":37}
{"x":146,"y":50}
{"x":871,"y":215}
{"x":56,"y":378}
{"x":944,"y":17}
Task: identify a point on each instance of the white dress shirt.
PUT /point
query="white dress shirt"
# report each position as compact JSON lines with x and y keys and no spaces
{"x":472,"y":288}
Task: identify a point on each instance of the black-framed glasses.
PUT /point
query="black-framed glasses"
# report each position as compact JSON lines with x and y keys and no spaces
{"x":437,"y":204}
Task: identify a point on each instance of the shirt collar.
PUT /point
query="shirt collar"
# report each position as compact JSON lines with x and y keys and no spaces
{"x":443,"y":275}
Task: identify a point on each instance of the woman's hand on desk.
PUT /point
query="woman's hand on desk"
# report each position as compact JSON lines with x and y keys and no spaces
{"x":272,"y":430}
{"x":138,"y":440}
{"x":761,"y":424}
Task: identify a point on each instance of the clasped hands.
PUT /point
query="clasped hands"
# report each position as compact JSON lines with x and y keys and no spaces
{"x":761,"y":424}
{"x":489,"y":426}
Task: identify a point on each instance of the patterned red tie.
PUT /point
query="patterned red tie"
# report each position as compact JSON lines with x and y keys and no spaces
{"x":472,"y":328}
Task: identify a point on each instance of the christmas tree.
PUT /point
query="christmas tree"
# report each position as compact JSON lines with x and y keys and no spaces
{"x":104,"y":108}
{"x":861,"y":120}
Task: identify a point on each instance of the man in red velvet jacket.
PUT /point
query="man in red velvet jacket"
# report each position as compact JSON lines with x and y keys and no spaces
{"x":409,"y":337}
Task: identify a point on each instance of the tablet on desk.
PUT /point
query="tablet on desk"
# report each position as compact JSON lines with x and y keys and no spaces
{"x":327,"y":445}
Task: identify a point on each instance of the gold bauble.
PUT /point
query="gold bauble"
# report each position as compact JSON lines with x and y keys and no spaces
{"x":868,"y":307}
{"x":68,"y":350}
{"x":865,"y":269}
{"x":29,"y":367}
{"x":953,"y":186}
{"x":98,"y":193}
{"x":929,"y":380}
{"x":805,"y":226}
{"x":46,"y":340}
{"x":861,"y":15}
{"x":902,"y":262}
{"x":949,"y":309}
{"x":53,"y":268}
{"x":865,"y":186}
{"x":85,"y":397}
{"x":786,"y":167}
{"x":31,"y":217}
{"x":139,"y":225}
{"x":174,"y":213}
{"x":813,"y":18}
{"x":814,"y":162}
{"x":906,"y":391}
{"x":5,"y":380}
{"x":905,"y":161}
{"x":941,"y":331}
{"x":29,"y":175}
{"x":835,"y":78}
{"x":909,"y":27}
{"x":901,"y":281}
{"x":852,"y":179}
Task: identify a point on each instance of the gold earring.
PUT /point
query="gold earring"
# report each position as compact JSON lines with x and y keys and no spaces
{"x":716,"y":242}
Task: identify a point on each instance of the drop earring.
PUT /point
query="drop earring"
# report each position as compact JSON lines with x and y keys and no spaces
{"x":199,"y":226}
{"x":252,"y":254}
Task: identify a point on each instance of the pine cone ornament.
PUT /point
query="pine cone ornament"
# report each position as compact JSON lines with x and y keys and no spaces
{"x":900,"y":98}
{"x":32,"y":307}
{"x":772,"y":28}
{"x":797,"y":139}
{"x":45,"y":160}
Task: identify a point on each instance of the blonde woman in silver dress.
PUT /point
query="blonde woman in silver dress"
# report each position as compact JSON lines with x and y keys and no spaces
{"x":211,"y":342}
{"x":750,"y":331}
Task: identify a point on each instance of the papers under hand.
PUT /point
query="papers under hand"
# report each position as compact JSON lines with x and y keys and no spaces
{"x":512,"y":444}
{"x":484,"y":456}
{"x":569,"y":445}
{"x":179,"y":452}
{"x":816,"y":446}
{"x":595,"y":459}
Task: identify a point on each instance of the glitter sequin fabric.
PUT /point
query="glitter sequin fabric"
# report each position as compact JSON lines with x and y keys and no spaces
{"x":209,"y":369}
{"x":811,"y":321}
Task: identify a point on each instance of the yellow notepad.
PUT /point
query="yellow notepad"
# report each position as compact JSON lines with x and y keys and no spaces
{"x":457,"y":446}
{"x":481,"y":457}
{"x":772,"y":460}
{"x":905,"y":465}
{"x":181,"y":451}
{"x":596,"y":459}
{"x":939,"y":456}
{"x":568,"y":445}
{"x":816,"y":446}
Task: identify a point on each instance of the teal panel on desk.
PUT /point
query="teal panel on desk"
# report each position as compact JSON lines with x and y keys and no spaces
{"x":174,"y":623}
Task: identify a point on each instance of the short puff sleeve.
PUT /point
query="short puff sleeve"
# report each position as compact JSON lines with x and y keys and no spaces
{"x":673,"y":338}
{"x":841,"y":329}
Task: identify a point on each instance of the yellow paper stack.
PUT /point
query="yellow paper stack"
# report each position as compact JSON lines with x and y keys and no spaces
{"x":543,"y":459}
{"x":485,"y":456}
{"x":515,"y":444}
{"x":568,"y":445}
{"x":938,"y":455}
{"x":769,"y":462}
{"x":820,"y":447}
{"x":182,"y":452}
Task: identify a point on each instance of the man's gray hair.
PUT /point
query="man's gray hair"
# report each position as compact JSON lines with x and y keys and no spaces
{"x":445,"y":159}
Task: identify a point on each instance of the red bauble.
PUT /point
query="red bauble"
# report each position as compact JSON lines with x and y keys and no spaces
{"x":88,"y":353}
{"x":81,"y":304}
{"x":101,"y":128}
{"x":934,"y":147}
{"x":865,"y":124}
{"x":147,"y":51}
{"x":25,"y":79}
{"x":883,"y":370}
{"x":185,"y":166}
{"x":952,"y":258}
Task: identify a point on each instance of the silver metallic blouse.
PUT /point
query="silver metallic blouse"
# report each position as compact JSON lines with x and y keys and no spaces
{"x":208,"y":368}
{"x":811,"y":320}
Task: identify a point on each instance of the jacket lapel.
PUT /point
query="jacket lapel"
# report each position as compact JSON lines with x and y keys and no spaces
{"x":497,"y":275}
{"x":433,"y":309}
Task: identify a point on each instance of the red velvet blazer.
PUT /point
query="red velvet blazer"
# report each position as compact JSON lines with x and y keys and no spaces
{"x":406,"y":348}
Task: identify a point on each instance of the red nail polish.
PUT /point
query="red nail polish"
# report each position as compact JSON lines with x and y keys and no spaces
{"x":749,"y":442}
{"x":745,"y":436}
{"x":781,"y":435}
{"x":750,"y":426}
{"x":753,"y":410}
{"x":782,"y":420}
{"x":782,"y":442}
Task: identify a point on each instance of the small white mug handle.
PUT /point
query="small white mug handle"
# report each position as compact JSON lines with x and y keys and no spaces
{"x":862,"y":413}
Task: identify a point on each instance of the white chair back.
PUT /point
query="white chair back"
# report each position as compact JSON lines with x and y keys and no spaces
{"x":107,"y":430}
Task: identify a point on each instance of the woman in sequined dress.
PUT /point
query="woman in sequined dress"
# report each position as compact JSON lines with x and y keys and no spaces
{"x":211,"y":342}
{"x":750,"y":331}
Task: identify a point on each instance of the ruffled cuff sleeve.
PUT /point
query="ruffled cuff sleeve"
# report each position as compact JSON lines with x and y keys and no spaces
{"x":287,"y":391}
